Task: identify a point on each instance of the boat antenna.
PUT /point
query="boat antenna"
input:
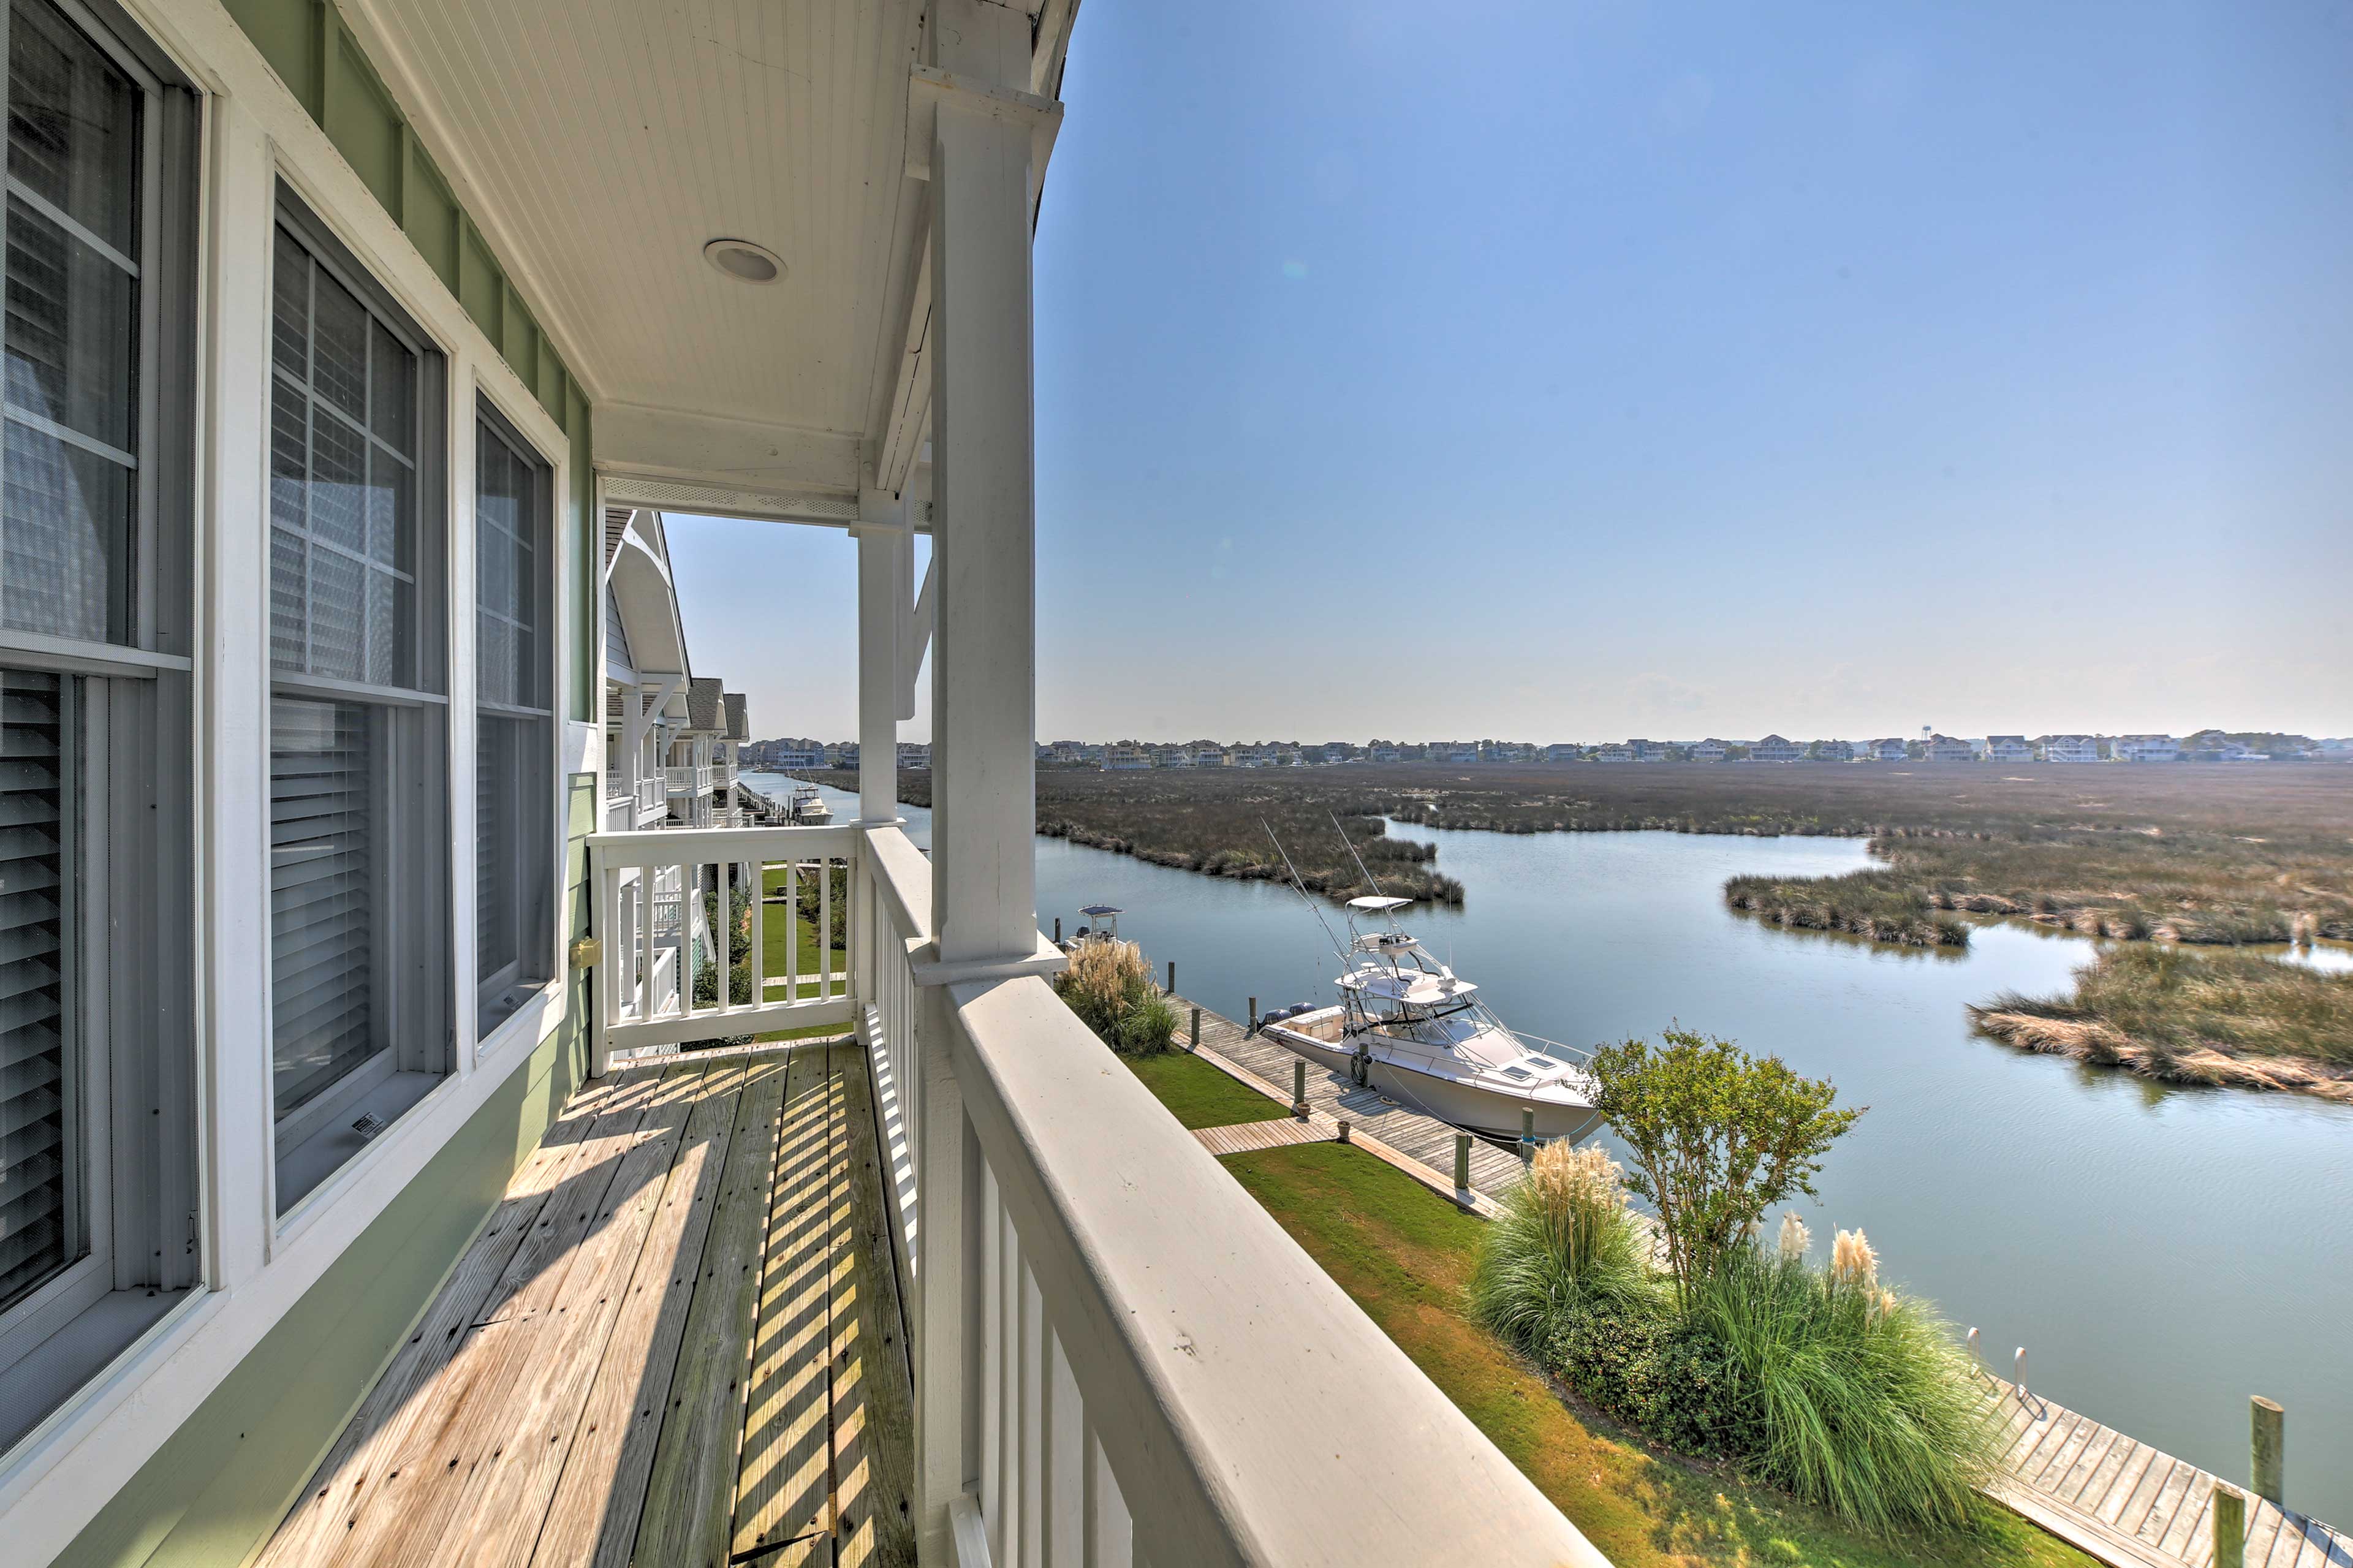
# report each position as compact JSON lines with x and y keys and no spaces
{"x":1340,"y":951}
{"x":1362,"y":869}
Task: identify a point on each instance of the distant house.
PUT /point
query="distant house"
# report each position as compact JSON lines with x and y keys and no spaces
{"x":914,"y":757}
{"x":1564,"y":752}
{"x":2145,"y":749}
{"x":1125,"y":760}
{"x":1708,"y":751}
{"x":1774,"y":749}
{"x":1336,"y":752}
{"x":790,"y":757}
{"x":1385,"y":754}
{"x":1648,"y":751}
{"x":2070,"y":748}
{"x":1463,"y":755}
{"x":1613,"y":753}
{"x":1830,"y":751}
{"x":1946,"y":749}
{"x":2007,"y":749}
{"x":1886,"y":748}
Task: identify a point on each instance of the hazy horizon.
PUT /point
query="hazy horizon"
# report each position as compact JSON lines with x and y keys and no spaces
{"x":1827,"y":371}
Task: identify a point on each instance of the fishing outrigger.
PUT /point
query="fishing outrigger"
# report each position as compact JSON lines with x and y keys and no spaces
{"x":1412,"y":1028}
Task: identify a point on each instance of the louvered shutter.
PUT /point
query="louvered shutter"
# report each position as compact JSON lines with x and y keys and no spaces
{"x":321,"y":893}
{"x":37,"y":1232}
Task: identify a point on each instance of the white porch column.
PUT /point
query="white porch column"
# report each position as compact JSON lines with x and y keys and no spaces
{"x":884,"y":562}
{"x":984,"y":524}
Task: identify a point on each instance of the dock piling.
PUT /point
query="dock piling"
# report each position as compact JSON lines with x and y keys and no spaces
{"x":1462,"y":1164}
{"x":1172,"y":977}
{"x":1196,"y":1029}
{"x":1299,"y":1090}
{"x":2269,"y":1448}
{"x":1527,"y":1135}
{"x":1344,"y":1132}
{"x":2229,"y":1526}
{"x":1253,"y":1015}
{"x":2019,"y":1376}
{"x":1058,"y":931}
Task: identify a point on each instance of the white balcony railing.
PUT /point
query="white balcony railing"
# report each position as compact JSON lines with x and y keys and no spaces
{"x":1118,"y":1354}
{"x":653,"y":799}
{"x":688,"y":778}
{"x":672,"y":893}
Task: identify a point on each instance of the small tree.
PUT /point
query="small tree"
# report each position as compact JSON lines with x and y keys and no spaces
{"x":1718,"y":1137}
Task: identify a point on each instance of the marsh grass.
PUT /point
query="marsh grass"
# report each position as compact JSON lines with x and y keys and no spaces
{"x":2211,"y":1017}
{"x":1873,"y":904}
{"x":1565,"y":1241}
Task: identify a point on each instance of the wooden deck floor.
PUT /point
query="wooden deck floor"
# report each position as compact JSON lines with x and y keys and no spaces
{"x":677,"y":1341}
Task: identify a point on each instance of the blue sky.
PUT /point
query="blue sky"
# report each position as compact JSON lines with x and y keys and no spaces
{"x":1575,"y":370}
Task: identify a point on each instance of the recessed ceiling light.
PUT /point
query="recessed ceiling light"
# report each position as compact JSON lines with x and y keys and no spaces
{"x":745,"y":261}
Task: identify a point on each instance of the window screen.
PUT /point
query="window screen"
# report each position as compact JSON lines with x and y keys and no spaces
{"x":40,"y":1168}
{"x":358,"y":856}
{"x":72,"y":413}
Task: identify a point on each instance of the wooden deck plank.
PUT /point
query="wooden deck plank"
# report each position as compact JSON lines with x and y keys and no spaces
{"x":2095,"y":1489}
{"x":2195,"y":1499}
{"x":592,"y":1521}
{"x":497,"y":1523}
{"x":2263,"y":1530}
{"x":2087,"y":1464}
{"x":874,"y":1405}
{"x":1275,"y":1133}
{"x":2127,"y":1482}
{"x":329,"y":1504}
{"x":690,"y":1492}
{"x":2152,"y":1486}
{"x":782,"y":1500}
{"x":2049,"y":1465}
{"x":401,"y":1516}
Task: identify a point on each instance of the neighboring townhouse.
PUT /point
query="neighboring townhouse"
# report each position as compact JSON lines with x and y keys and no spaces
{"x":1564,"y":752}
{"x":2007,"y":749}
{"x":1887,"y":749}
{"x":1709,"y":751}
{"x":1125,"y":759}
{"x":1949,"y":748}
{"x":2145,"y":749}
{"x":1774,"y":749}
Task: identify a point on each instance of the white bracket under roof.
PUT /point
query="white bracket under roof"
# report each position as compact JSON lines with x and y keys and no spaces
{"x":928,"y":86}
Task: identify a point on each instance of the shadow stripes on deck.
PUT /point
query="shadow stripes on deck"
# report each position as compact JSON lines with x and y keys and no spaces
{"x":677,"y":1340}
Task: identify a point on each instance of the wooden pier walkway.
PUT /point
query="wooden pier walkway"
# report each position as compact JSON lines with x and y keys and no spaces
{"x":2131,"y":1505}
{"x":2113,"y":1499}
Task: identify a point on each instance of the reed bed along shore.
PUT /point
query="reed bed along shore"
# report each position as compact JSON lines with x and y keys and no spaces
{"x":2211,"y":1017}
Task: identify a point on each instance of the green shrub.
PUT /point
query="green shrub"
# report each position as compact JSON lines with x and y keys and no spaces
{"x":1564,"y":1242}
{"x":1659,"y":1373}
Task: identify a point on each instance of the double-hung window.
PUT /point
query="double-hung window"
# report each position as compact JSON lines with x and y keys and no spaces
{"x":359,"y":860}
{"x":514,"y":757}
{"x":97,"y":1190}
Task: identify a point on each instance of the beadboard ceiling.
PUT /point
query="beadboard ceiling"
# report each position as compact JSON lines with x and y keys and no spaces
{"x":601,"y":142}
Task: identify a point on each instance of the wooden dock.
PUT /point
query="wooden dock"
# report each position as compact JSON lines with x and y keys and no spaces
{"x":2111,"y":1498}
{"x":676,"y":1340}
{"x":2131,"y":1505}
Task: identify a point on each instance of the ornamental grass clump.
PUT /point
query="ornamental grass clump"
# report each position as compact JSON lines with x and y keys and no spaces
{"x":1864,"y":1402}
{"x":1566,"y":1240}
{"x":1107,"y":985}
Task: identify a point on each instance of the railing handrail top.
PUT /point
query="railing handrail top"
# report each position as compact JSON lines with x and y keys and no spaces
{"x":689,"y":845}
{"x":1221,"y":1357}
{"x":904,"y":877}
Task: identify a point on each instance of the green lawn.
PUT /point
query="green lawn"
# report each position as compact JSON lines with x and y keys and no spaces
{"x":780,"y":928}
{"x":1404,"y":1256}
{"x":1200,"y":1095}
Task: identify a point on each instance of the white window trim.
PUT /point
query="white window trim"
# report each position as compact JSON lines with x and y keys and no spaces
{"x":258,"y":1267}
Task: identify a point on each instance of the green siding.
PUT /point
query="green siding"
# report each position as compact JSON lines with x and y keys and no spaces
{"x":211,"y":1495}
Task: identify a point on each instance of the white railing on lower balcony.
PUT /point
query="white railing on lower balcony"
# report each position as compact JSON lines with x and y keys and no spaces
{"x":688,"y":778}
{"x":676,"y":890}
{"x":653,"y":798}
{"x":1120,"y":1357}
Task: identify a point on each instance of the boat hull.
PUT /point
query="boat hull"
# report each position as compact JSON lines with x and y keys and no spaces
{"x":1489,"y":1113}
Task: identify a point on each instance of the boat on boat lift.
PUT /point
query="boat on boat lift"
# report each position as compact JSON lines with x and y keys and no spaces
{"x":1410,"y":1028}
{"x":1105,"y":926}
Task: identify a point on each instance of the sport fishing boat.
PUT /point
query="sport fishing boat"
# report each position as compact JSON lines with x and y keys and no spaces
{"x":1409,"y":1028}
{"x":808,"y":809}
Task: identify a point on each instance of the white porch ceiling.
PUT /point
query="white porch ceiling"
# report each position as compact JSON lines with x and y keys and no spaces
{"x":600,"y":143}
